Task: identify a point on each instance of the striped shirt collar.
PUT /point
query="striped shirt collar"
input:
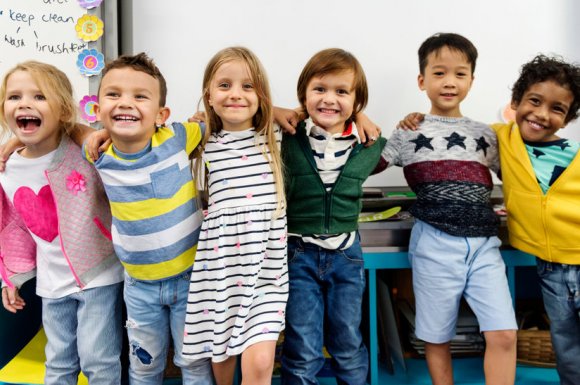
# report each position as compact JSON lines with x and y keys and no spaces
{"x":351,"y":131}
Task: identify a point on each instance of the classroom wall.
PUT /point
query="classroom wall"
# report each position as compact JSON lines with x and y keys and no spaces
{"x":182,"y":35}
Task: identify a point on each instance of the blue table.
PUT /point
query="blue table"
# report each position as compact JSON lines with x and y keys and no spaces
{"x":377,"y":258}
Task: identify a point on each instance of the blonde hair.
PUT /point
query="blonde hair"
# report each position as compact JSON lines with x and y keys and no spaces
{"x":332,"y":61}
{"x":263,"y":120}
{"x":56,"y":88}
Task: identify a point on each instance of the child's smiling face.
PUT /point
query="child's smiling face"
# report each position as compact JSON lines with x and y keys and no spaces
{"x":129,"y":108}
{"x":542,"y":111}
{"x":330,"y":100}
{"x":30,"y":115}
{"x":447,"y":78}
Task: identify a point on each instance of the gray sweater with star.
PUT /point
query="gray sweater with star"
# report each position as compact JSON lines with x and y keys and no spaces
{"x":447,"y":163}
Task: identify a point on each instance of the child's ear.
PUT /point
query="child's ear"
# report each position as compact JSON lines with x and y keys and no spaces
{"x":162,"y":115}
{"x":97,"y":110}
{"x":421,"y":82}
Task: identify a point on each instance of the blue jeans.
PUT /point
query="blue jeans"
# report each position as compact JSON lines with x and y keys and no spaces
{"x":324,"y":307}
{"x":561,"y":291}
{"x":84,"y":332}
{"x":155,"y":310}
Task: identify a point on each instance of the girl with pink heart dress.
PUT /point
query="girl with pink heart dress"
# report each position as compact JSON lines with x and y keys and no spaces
{"x":55,"y":224}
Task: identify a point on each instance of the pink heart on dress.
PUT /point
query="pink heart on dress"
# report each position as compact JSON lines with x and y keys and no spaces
{"x":38,"y":211}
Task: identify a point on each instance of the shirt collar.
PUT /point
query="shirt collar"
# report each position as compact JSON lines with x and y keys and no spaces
{"x":350,"y":131}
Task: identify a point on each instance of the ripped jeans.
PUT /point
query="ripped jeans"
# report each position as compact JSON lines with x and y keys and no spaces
{"x":154,"y":311}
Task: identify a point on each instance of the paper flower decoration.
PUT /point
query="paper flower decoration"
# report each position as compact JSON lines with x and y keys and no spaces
{"x":87,"y":107}
{"x":90,"y":62}
{"x":89,"y":28}
{"x":89,"y":4}
{"x":75,"y":182}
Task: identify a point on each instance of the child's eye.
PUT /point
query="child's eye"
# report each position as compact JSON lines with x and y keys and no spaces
{"x":461,"y":74}
{"x":534,"y":101}
{"x":39,"y":97}
{"x":141,"y":97}
{"x":112,"y":94}
{"x":342,"y":92}
{"x":13,"y":97}
{"x":438,"y":73}
{"x":224,"y":85}
{"x":248,"y":86}
{"x":318,"y":89}
{"x":560,"y":110}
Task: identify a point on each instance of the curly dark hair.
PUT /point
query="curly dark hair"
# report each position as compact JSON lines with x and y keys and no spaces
{"x":543,"y":68}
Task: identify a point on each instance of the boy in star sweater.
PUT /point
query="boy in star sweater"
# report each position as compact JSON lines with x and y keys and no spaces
{"x":454,"y":248}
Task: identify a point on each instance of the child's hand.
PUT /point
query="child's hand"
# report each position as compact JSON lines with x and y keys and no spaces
{"x":12,"y":300}
{"x":367,"y":129}
{"x":287,"y":119}
{"x":7,"y":149}
{"x":411,"y":121}
{"x":97,"y":141}
{"x":198,"y":117}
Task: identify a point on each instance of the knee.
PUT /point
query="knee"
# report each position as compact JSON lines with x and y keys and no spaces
{"x":261,"y":362}
{"x":501,"y":339}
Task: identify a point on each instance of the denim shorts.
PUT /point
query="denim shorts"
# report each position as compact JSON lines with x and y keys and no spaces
{"x":447,"y":268}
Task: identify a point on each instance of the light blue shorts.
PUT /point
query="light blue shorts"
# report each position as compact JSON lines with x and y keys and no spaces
{"x":445,"y":268}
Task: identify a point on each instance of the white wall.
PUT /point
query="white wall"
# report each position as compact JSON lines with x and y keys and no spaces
{"x":182,"y":35}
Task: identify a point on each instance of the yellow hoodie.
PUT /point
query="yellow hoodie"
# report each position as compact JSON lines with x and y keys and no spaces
{"x":547,"y":226}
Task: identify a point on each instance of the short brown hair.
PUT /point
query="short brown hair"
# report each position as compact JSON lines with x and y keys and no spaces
{"x":142,"y":63}
{"x":453,"y":41}
{"x":334,"y":60}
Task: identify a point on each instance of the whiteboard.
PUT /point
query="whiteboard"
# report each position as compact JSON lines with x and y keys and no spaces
{"x":44,"y":30}
{"x":182,"y":35}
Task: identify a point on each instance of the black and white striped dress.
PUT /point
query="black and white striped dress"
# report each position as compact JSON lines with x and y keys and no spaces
{"x":239,"y":284}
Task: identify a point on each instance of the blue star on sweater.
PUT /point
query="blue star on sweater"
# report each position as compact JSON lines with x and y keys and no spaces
{"x":481,"y":145}
{"x":455,"y":140}
{"x":422,"y":141}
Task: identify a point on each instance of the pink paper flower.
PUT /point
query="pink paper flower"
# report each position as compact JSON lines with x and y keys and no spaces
{"x":75,"y":182}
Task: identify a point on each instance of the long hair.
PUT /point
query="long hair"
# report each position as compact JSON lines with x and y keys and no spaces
{"x":263,"y":120}
{"x":56,"y":88}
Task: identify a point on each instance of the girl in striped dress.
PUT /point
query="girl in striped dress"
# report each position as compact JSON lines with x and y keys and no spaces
{"x":239,"y":285}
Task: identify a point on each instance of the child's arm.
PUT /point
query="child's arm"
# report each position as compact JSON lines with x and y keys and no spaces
{"x":367,"y":129}
{"x":11,"y":300}
{"x":411,"y":121}
{"x":7,"y":149}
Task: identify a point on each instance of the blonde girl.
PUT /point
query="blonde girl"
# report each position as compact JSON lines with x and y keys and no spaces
{"x":239,"y":284}
{"x":55,"y":223}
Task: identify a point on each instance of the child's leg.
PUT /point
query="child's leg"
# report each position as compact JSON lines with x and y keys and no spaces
{"x":499,"y":362}
{"x":174,"y":295}
{"x":148,"y":331}
{"x":561,"y":292}
{"x":258,"y":363}
{"x":59,"y":318}
{"x":223,"y":371}
{"x":302,"y":351}
{"x":345,"y":288}
{"x":488,"y":295}
{"x":439,"y":363}
{"x":100,"y":334}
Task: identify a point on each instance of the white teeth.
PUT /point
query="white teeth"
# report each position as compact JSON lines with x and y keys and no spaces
{"x":535,"y":125}
{"x":125,"y":118}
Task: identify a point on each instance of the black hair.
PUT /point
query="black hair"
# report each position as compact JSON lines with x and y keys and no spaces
{"x":543,"y":68}
{"x":451,"y":40}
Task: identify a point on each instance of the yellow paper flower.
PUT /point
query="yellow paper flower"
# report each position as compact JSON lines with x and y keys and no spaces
{"x":89,"y":28}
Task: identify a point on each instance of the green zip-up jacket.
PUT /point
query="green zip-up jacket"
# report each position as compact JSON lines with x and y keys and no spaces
{"x":313,"y":210}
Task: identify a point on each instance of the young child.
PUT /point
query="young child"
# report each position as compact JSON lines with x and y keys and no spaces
{"x":239,"y":284}
{"x":454,"y":250}
{"x":542,"y":221}
{"x":55,"y":222}
{"x":156,"y":220}
{"x":325,"y":167}
{"x":545,"y":98}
